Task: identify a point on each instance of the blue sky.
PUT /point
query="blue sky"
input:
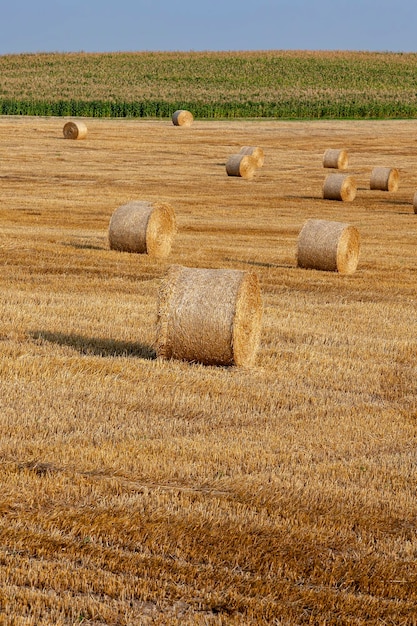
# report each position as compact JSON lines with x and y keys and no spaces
{"x":127,"y":25}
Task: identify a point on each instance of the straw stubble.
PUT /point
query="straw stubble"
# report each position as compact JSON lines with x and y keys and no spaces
{"x":210,"y":316}
{"x":143,"y":227}
{"x":329,"y":246}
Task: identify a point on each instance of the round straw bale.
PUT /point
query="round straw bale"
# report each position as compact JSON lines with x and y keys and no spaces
{"x":384,"y":178}
{"x":415,"y":202}
{"x":182,"y":118}
{"x":211,"y":316}
{"x":331,"y":246}
{"x":335,"y":158}
{"x":75,"y":130}
{"x":243,"y":165}
{"x":339,"y":187}
{"x":255,"y":152}
{"x":143,"y":227}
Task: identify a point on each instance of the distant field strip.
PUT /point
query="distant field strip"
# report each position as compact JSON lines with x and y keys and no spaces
{"x":270,"y":84}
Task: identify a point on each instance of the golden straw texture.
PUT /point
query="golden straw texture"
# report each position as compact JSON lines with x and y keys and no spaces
{"x":339,"y":187}
{"x":335,"y":158}
{"x":384,"y":178}
{"x":242,"y":165}
{"x":182,"y":118}
{"x":143,"y":227}
{"x":210,"y":316}
{"x":415,"y":202}
{"x":75,"y":130}
{"x":255,"y":152}
{"x":330,"y":246}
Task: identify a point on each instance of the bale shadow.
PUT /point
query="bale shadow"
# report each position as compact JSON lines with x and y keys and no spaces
{"x":408,"y":203}
{"x":301,"y":197}
{"x":397,"y":204}
{"x":39,"y":468}
{"x":259,"y":263}
{"x":97,"y":346}
{"x":84,"y":246}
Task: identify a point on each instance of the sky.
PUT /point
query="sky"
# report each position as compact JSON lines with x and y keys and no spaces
{"x":138,"y":25}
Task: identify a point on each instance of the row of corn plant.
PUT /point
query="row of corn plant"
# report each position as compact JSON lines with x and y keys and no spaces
{"x":289,"y":109}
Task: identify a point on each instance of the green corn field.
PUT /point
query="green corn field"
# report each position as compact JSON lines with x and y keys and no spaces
{"x":265,"y":84}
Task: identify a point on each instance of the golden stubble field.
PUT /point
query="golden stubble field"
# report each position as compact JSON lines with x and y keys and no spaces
{"x":141,"y":491}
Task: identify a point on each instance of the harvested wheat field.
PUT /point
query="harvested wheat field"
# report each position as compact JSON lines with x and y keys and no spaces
{"x":141,"y":490}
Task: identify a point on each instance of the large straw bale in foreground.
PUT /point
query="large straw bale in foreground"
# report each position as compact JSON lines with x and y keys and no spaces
{"x":182,"y":118}
{"x":75,"y":130}
{"x":143,"y":227}
{"x":255,"y":152}
{"x":335,"y":158}
{"x":384,"y":178}
{"x":212,"y":316}
{"x":243,"y":165}
{"x":331,"y":246}
{"x":339,"y":187}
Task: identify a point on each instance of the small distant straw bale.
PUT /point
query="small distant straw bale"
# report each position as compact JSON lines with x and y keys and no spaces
{"x":182,"y":118}
{"x":254,"y":151}
{"x":339,"y":187}
{"x":384,"y":178}
{"x":210,"y":316}
{"x":243,"y":165}
{"x":415,"y":202}
{"x":75,"y":130}
{"x":143,"y":227}
{"x":338,"y":159}
{"x":329,"y":246}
